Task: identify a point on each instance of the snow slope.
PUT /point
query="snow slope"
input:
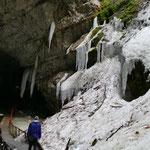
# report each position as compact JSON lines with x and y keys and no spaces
{"x":98,"y":118}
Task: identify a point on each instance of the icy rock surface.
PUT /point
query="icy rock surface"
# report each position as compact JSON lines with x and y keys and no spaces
{"x":98,"y":118}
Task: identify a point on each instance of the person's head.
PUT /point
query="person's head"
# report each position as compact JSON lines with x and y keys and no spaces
{"x":36,"y":119}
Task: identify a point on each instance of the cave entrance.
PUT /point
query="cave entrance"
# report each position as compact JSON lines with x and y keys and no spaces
{"x":10,"y":83}
{"x":137,"y":82}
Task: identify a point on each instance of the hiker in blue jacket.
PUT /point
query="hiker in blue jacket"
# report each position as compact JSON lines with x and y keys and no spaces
{"x":34,"y":133}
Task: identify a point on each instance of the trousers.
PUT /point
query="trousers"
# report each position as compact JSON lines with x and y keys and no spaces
{"x":33,"y":143}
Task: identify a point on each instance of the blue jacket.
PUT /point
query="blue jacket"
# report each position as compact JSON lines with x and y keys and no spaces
{"x":35,"y":130}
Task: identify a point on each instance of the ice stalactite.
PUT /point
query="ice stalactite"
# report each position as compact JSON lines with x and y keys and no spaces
{"x":59,"y":84}
{"x":82,"y":55}
{"x":51,"y":32}
{"x":103,"y":49}
{"x":69,"y":87}
{"x":33,"y":76}
{"x":128,"y":66}
{"x":100,"y":51}
{"x":68,"y":50}
{"x":99,"y":45}
{"x":24,"y":81}
{"x":32,"y":82}
{"x":88,"y":49}
{"x":95,"y":23}
{"x":80,"y":58}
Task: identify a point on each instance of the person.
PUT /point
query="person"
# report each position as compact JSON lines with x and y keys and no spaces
{"x":34,"y":133}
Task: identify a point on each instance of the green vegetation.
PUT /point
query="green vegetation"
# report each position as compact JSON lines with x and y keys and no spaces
{"x":97,"y":39}
{"x":123,"y":9}
{"x":95,"y":31}
{"x":123,"y":35}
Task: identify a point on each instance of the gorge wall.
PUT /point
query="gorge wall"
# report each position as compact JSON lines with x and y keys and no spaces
{"x":24,"y":30}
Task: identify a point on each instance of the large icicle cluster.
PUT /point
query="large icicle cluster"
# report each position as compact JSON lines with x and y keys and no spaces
{"x":85,"y":47}
{"x":29,"y":75}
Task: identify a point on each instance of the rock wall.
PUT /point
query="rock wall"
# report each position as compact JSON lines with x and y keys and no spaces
{"x":24,"y":30}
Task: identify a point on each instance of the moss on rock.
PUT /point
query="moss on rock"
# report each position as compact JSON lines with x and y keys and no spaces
{"x":123,"y":9}
{"x":97,"y":39}
{"x":95,"y":31}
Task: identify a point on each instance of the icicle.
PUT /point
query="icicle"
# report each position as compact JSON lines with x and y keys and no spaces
{"x":81,"y":57}
{"x":24,"y":81}
{"x":51,"y":32}
{"x":33,"y":76}
{"x":102,"y":51}
{"x":69,"y":87}
{"x":95,"y":24}
{"x":32,"y":82}
{"x":128,"y":66}
{"x":36,"y":62}
{"x":104,"y":23}
{"x":59,"y":84}
{"x":88,"y":46}
{"x":98,"y":52}
{"x":68,"y":50}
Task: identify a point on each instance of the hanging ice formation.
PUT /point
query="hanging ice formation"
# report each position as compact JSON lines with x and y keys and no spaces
{"x":82,"y":55}
{"x":95,"y":24}
{"x":100,"y":51}
{"x":68,"y":50}
{"x":59,"y":84}
{"x":51,"y":32}
{"x":128,"y":66}
{"x":85,"y":47}
{"x":33,"y":76}
{"x":24,"y":81}
{"x":69,"y":87}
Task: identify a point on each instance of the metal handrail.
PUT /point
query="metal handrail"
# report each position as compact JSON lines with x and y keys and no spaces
{"x":15,"y":131}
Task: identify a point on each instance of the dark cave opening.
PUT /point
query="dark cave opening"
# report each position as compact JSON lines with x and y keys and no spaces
{"x":137,"y":82}
{"x":10,"y":83}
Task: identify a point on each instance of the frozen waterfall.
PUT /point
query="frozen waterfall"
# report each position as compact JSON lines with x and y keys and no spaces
{"x":51,"y":32}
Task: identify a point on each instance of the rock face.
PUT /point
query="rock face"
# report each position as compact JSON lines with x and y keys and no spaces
{"x":24,"y":30}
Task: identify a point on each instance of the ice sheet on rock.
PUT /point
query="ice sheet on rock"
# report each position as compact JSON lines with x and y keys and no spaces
{"x":117,"y":24}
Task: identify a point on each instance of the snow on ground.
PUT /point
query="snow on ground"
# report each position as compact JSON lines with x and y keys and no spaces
{"x":98,"y":118}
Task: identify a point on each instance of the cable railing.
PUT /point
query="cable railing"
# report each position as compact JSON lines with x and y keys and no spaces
{"x":15,"y":131}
